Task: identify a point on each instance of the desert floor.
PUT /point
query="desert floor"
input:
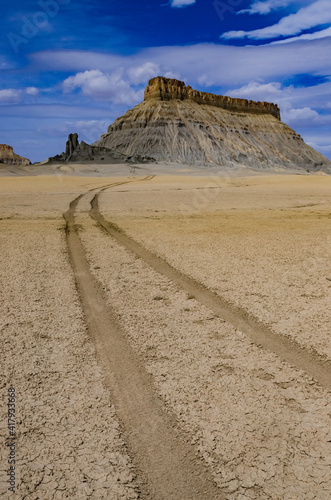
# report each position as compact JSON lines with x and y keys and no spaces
{"x":169,"y":338}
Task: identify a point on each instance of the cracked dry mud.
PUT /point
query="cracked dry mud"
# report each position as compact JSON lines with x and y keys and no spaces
{"x":261,"y":426}
{"x":69,"y":443}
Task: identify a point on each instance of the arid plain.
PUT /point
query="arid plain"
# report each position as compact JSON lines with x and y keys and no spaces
{"x":169,"y":338}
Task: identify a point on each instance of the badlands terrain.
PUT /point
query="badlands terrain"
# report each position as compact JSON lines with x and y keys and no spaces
{"x":179,"y":125}
{"x":176,"y":123}
{"x":168,"y":336}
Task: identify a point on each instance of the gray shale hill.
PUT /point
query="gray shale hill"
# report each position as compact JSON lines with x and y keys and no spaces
{"x":176,"y":123}
{"x":8,"y":157}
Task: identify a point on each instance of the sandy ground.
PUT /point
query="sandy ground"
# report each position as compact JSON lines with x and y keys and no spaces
{"x":261,"y":242}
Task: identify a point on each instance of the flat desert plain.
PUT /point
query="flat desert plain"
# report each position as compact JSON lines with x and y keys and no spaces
{"x":168,"y":337}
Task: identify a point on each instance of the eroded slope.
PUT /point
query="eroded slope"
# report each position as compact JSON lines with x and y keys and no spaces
{"x":187,"y":132}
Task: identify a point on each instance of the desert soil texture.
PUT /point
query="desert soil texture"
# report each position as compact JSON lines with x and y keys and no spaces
{"x":167,"y":336}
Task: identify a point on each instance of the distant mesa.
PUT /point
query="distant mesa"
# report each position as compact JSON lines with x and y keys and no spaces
{"x":177,"y":124}
{"x":8,"y":157}
{"x":180,"y":125}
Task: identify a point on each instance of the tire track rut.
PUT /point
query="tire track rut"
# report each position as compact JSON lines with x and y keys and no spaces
{"x":166,"y":462}
{"x":307,"y":360}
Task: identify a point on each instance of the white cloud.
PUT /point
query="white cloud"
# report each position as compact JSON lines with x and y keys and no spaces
{"x":99,"y":85}
{"x":292,"y":101}
{"x":317,"y":96}
{"x":204,"y":64}
{"x":313,"y":15}
{"x":182,"y":3}
{"x":321,"y":143}
{"x":309,"y":36}
{"x":265,"y":7}
{"x":170,"y":74}
{"x":142,"y":73}
{"x":300,"y":114}
{"x":10,"y":96}
{"x":259,"y":91}
{"x":15,"y":96}
{"x":33,"y":91}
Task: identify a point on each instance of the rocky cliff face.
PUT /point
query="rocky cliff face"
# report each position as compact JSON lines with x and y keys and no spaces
{"x":8,"y":156}
{"x":165,"y":89}
{"x":178,"y":124}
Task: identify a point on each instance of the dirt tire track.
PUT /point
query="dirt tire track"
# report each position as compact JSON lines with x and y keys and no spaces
{"x":307,"y":360}
{"x":166,"y":462}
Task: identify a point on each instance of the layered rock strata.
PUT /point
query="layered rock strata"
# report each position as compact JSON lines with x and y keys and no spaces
{"x":180,"y":125}
{"x":165,"y":89}
{"x":8,"y":156}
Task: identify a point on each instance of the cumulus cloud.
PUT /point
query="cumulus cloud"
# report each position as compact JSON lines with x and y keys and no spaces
{"x":263,"y":8}
{"x":10,"y":96}
{"x":259,"y":91}
{"x":301,"y":114}
{"x":181,"y":3}
{"x":99,"y":85}
{"x":139,"y":74}
{"x":316,"y":14}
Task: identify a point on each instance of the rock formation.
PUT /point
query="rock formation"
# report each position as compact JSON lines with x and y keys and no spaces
{"x":178,"y":124}
{"x":8,"y":156}
{"x":71,"y":145}
{"x":83,"y":152}
{"x":73,"y":150}
{"x":165,"y":89}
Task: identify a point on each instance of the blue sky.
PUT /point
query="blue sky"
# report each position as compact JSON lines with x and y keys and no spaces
{"x":76,"y":65}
